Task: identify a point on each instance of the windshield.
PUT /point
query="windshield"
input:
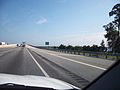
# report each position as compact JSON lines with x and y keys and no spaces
{"x":74,"y":41}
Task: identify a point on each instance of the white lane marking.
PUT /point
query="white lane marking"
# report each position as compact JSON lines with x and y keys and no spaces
{"x":40,"y":67}
{"x":90,"y":65}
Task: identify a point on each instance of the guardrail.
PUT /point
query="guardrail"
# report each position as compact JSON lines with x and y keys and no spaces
{"x":103,"y":55}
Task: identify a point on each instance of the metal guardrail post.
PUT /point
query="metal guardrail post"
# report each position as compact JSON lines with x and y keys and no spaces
{"x":106,"y":56}
{"x":74,"y":52}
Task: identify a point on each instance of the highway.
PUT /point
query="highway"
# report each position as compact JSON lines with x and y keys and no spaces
{"x":74,"y":69}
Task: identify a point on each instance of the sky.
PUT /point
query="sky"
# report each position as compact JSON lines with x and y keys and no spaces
{"x":68,"y":22}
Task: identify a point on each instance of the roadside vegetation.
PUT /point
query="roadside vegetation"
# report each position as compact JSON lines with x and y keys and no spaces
{"x":112,"y":51}
{"x":113,"y":30}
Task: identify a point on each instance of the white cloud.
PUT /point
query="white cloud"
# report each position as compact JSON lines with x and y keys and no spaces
{"x":41,"y":21}
{"x":82,"y":39}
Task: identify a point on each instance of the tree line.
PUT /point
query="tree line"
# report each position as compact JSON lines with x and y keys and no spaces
{"x":94,"y":48}
{"x":112,"y":35}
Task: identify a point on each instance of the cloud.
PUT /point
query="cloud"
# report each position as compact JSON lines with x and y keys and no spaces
{"x":82,"y":39}
{"x":41,"y":21}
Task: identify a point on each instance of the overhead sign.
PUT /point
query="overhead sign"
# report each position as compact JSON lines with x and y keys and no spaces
{"x":46,"y":43}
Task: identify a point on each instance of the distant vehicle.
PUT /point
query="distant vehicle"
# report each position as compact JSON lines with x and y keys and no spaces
{"x":23,"y":44}
{"x":2,"y":43}
{"x":18,"y":45}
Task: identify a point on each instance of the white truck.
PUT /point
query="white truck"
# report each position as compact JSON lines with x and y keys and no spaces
{"x":2,"y":43}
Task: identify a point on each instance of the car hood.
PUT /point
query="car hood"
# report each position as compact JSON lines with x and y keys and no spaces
{"x":35,"y":81}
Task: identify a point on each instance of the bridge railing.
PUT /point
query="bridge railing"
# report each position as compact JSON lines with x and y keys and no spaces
{"x":103,"y":55}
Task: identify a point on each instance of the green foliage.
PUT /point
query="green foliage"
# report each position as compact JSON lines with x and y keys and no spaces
{"x":102,"y":46}
{"x":116,"y":13}
{"x":113,"y":29}
{"x":62,"y":46}
{"x":70,"y":47}
{"x":94,"y":48}
{"x":78,"y":48}
{"x":86,"y":48}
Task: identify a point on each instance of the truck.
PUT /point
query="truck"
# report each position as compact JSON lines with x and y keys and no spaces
{"x":2,"y":43}
{"x":23,"y":44}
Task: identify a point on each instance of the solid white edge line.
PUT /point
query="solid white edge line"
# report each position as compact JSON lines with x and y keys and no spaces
{"x":40,"y":67}
{"x":83,"y":63}
{"x":90,"y":65}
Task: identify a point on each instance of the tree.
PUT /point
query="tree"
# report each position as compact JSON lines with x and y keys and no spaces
{"x":113,"y":29}
{"x":62,"y":46}
{"x":77,"y":48}
{"x":95,"y":48}
{"x":102,"y":46}
{"x":69,"y":47}
{"x":86,"y":48}
{"x":116,"y":11}
{"x":102,"y":43}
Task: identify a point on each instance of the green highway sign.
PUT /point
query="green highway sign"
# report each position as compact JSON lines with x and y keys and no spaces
{"x":46,"y":43}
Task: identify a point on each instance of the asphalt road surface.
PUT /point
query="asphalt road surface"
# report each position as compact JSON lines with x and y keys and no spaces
{"x":74,"y":69}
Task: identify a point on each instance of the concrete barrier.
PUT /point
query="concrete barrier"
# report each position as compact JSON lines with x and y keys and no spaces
{"x":8,"y":46}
